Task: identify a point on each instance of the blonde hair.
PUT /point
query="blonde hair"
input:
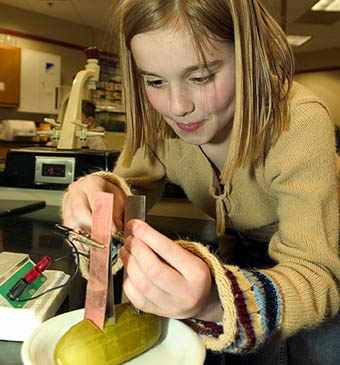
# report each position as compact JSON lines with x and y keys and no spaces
{"x":264,"y":71}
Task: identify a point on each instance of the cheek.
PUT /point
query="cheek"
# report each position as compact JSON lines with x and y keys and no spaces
{"x":157,"y":100}
{"x":220,"y":97}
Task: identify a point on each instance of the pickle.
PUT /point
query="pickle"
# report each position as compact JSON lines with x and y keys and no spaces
{"x":86,"y":344}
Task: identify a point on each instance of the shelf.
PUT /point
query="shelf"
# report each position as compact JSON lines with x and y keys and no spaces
{"x":111,"y":108}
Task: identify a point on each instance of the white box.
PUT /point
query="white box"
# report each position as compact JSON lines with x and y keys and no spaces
{"x":18,"y":323}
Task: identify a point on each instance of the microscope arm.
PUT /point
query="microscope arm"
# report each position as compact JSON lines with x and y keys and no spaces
{"x":69,"y":136}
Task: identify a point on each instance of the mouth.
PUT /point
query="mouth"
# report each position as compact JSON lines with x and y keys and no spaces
{"x":190,"y":127}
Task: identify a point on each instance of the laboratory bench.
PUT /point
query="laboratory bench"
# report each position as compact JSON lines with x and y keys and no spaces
{"x":6,"y":145}
{"x":32,"y":233}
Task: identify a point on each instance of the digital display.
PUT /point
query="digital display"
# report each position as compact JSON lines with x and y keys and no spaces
{"x":53,"y":170}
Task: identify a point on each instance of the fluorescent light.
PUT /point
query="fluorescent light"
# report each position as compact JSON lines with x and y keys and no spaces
{"x":327,"y":5}
{"x":298,"y":40}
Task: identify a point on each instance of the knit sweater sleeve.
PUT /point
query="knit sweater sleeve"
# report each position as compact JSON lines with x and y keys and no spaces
{"x":146,"y":175}
{"x":301,"y":290}
{"x":303,"y":174}
{"x":250,"y":301}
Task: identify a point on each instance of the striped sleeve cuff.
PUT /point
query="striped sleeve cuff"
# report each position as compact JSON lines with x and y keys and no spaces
{"x":257,"y":301}
{"x":251,"y":306}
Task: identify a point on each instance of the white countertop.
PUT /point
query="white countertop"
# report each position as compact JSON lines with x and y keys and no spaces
{"x":51,"y":197}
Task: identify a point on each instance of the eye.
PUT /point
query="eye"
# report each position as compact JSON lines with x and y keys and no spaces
{"x":202,"y":80}
{"x":157,"y":83}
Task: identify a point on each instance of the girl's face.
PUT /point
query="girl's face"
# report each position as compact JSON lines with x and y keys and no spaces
{"x":197,"y":102}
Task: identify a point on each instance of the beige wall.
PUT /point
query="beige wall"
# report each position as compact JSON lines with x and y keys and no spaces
{"x":72,"y":60}
{"x":311,"y":61}
{"x":325,"y":84}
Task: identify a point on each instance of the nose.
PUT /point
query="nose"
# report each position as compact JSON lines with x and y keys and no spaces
{"x":181,"y":102}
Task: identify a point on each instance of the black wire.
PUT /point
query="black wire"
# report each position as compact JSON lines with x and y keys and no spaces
{"x":69,"y":254}
{"x":75,"y":272}
{"x":83,"y":254}
{"x":62,"y":257}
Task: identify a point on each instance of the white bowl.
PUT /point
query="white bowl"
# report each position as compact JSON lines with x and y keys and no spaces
{"x":178,"y":344}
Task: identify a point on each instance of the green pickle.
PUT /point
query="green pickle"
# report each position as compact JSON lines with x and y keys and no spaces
{"x":86,"y":344}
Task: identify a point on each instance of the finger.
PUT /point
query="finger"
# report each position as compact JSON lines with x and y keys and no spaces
{"x":145,"y":296}
{"x":79,"y":200}
{"x":147,"y":306}
{"x":182,"y":300}
{"x":179,"y":258}
{"x":158,"y":272}
{"x":138,"y":288}
{"x":77,"y":210}
{"x":138,"y":300}
{"x":118,"y":209}
{"x":79,"y":221}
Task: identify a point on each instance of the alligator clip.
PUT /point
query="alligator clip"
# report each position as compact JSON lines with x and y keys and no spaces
{"x":73,"y":236}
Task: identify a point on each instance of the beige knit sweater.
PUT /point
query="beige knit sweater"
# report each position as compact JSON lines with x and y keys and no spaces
{"x":292,"y":202}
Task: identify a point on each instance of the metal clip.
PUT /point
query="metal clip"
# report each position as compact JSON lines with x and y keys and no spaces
{"x":73,"y":236}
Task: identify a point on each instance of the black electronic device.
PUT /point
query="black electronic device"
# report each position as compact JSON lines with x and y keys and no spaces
{"x":49,"y":168}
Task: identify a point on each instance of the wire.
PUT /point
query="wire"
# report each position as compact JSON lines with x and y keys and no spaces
{"x":62,"y":257}
{"x":69,"y":254}
{"x":68,"y":282}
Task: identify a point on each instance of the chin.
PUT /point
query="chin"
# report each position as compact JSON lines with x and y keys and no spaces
{"x":193,"y":140}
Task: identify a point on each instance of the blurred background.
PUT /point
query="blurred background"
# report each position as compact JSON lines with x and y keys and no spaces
{"x":54,"y":33}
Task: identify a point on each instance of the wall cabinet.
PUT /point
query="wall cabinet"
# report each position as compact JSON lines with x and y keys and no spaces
{"x":9,"y":76}
{"x":39,"y":82}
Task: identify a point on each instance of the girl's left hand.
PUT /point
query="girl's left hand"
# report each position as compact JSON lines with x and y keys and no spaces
{"x":165,"y":279}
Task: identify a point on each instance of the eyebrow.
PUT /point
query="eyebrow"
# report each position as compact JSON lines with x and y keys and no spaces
{"x":186,"y":70}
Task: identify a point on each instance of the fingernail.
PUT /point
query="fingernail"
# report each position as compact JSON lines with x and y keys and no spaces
{"x":133,"y":225}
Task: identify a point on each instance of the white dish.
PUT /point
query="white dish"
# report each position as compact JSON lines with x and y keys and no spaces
{"x":178,"y":344}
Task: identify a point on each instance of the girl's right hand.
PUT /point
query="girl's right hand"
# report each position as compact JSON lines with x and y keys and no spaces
{"x":78,"y":202}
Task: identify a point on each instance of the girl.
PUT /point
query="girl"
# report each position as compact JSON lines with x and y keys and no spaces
{"x":211,"y":106}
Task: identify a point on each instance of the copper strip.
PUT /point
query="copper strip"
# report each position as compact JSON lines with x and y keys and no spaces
{"x":99,"y":273}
